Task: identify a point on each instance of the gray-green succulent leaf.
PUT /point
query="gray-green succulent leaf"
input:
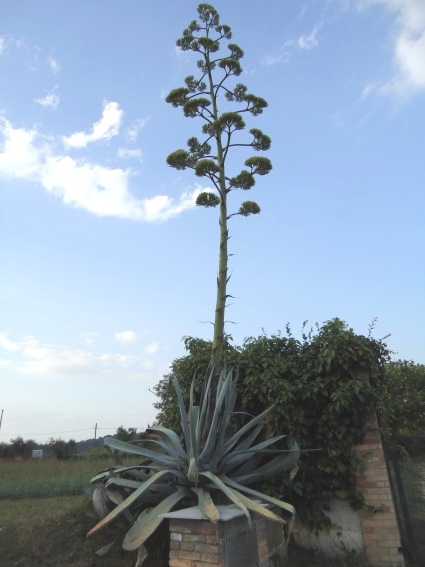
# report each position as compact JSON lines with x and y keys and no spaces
{"x":215,"y":454}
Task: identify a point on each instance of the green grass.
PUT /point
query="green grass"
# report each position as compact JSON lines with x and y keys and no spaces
{"x":46,"y":513}
{"x":41,"y":478}
{"x":51,"y":532}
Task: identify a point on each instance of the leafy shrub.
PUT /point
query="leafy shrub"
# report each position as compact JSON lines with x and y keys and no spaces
{"x":323,"y":387}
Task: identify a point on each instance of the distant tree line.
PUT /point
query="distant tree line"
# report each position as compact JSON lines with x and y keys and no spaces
{"x":20,"y":447}
{"x":61,"y":449}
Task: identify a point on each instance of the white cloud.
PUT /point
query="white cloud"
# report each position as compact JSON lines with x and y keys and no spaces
{"x":49,"y":100}
{"x":7,"y":344}
{"x":20,"y":156}
{"x":90,"y":338}
{"x":98,"y":189}
{"x":305,"y":42}
{"x":163,"y":207}
{"x":134,"y":129}
{"x":308,"y":42}
{"x":280,"y":57}
{"x":104,"y":129}
{"x":8,"y":41}
{"x":43,"y":359}
{"x":408,"y":45}
{"x":152,"y":347}
{"x":54,"y":65}
{"x":39,"y":358}
{"x":95,"y":188}
{"x":130,"y":153}
{"x":126,"y":337}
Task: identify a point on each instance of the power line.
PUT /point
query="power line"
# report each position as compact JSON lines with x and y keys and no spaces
{"x":56,"y":432}
{"x":79,"y":414}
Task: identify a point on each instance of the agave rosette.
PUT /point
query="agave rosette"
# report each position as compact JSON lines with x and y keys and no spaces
{"x":212,"y":458}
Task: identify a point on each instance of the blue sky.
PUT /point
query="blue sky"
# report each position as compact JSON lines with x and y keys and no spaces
{"x":105,"y":261}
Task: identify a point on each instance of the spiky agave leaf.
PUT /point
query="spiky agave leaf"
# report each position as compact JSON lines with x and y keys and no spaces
{"x":258,"y":508}
{"x":147,"y":523}
{"x":171,"y":436}
{"x":161,"y":459}
{"x":114,"y":471}
{"x":116,"y":497}
{"x":208,"y":460}
{"x":283,"y":462}
{"x":261,"y":495}
{"x":185,"y":426}
{"x":270,"y":499}
{"x":227,"y":412}
{"x":205,"y":403}
{"x":99,"y":502}
{"x":131,"y":499}
{"x":229,"y":492}
{"x":230,"y":443}
{"x":239,"y":456}
{"x":242,"y":501}
{"x":220,"y":418}
{"x":206,"y":505}
{"x":194,"y":414}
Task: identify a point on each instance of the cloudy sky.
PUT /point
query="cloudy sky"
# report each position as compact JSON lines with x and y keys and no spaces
{"x":105,"y":262}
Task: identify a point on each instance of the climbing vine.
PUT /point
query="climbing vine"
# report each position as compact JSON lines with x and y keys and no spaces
{"x":323,"y":386}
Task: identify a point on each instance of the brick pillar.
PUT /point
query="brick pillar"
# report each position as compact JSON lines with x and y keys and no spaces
{"x":381,"y":535}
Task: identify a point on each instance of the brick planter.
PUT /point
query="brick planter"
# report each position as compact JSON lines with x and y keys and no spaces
{"x":196,"y":542}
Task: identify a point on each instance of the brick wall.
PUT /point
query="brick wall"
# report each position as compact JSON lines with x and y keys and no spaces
{"x":195,"y":543}
{"x":199,"y":543}
{"x":381,"y":535}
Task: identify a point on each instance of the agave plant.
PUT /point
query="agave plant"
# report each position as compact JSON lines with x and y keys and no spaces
{"x":213,"y":458}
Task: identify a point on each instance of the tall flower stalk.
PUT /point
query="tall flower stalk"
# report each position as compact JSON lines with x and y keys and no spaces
{"x":201,"y":97}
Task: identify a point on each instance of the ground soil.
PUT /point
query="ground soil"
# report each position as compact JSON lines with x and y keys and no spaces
{"x":46,"y":532}
{"x":51,"y":532}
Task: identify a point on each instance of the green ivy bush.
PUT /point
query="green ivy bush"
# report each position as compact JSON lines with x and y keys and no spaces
{"x":323,"y":386}
{"x":403,"y":400}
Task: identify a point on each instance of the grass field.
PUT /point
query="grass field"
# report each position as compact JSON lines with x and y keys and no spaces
{"x":41,"y":478}
{"x":46,"y":512}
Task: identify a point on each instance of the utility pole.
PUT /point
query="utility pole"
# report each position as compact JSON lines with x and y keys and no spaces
{"x":95,"y":431}
{"x":1,"y":418}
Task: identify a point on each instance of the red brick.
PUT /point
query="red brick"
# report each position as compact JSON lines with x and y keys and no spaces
{"x":192,"y":555}
{"x":213,"y":558}
{"x":183,"y":563}
{"x":205,"y":548}
{"x":194,"y":538}
{"x":174,"y":544}
{"x":187,"y":546}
